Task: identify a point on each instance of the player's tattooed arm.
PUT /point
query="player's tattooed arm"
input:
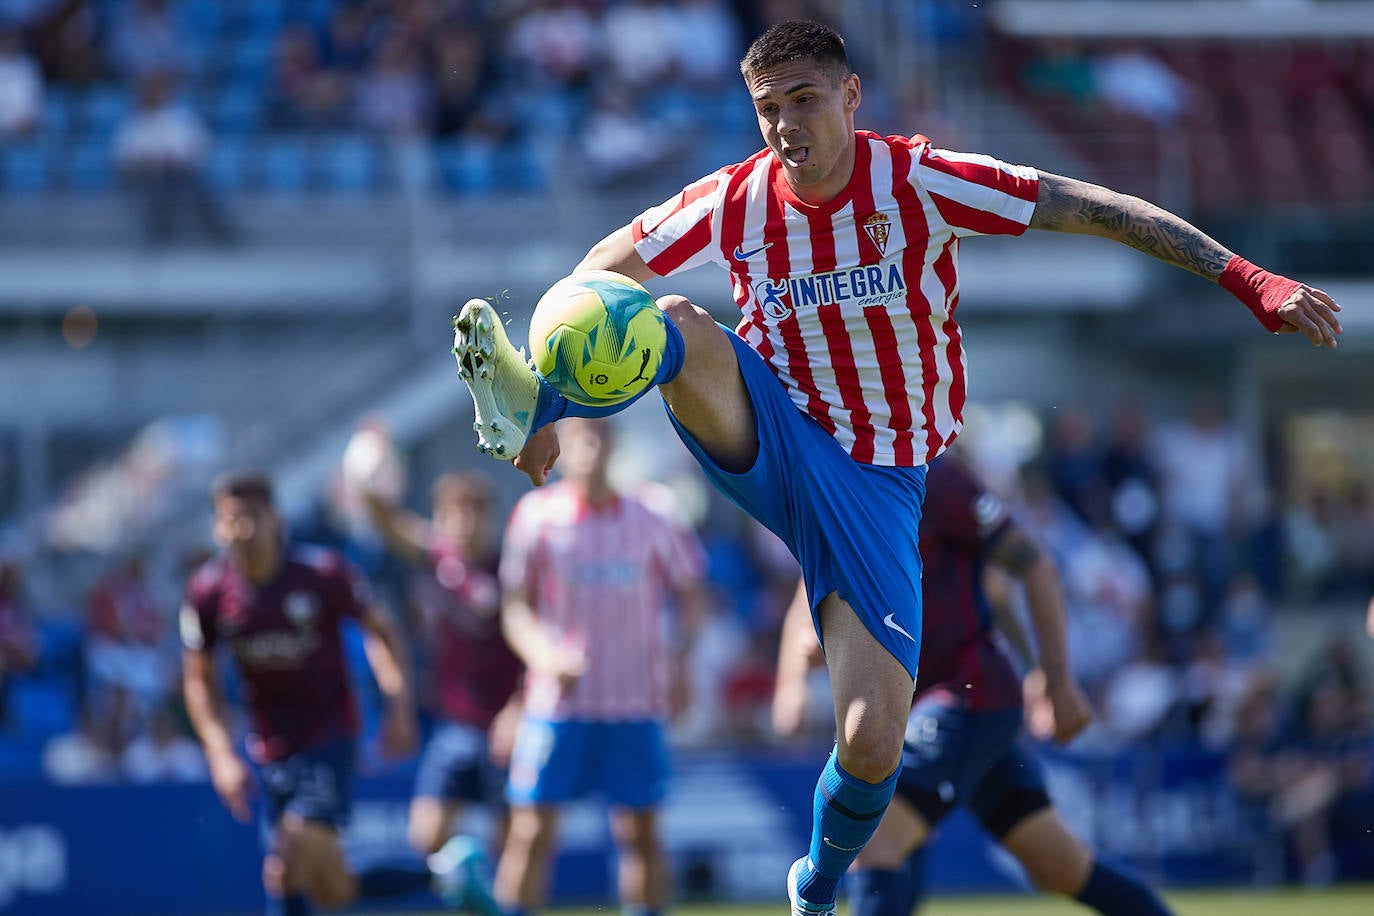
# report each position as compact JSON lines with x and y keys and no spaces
{"x":1070,"y":205}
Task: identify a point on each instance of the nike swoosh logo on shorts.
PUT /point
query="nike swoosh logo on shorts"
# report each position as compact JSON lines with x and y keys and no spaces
{"x":893,"y":625}
{"x":746,"y":255}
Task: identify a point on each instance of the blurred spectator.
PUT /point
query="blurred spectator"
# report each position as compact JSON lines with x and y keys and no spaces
{"x":89,"y":753}
{"x":555,"y":42}
{"x":392,"y":95}
{"x":1245,"y":621}
{"x":706,"y":43}
{"x":302,"y":92}
{"x":1253,"y":772}
{"x":1131,"y":477}
{"x":164,"y":753}
{"x":1309,"y":543}
{"x":146,"y":41}
{"x":21,"y":87}
{"x":466,"y":86}
{"x":161,"y":151}
{"x":1135,"y":81}
{"x":1212,"y":490}
{"x":619,"y":144}
{"x":347,"y":39}
{"x":1142,"y":697}
{"x":642,"y":43}
{"x":18,"y":637}
{"x":125,"y":639}
{"x":1060,"y":71}
{"x":1074,"y":463}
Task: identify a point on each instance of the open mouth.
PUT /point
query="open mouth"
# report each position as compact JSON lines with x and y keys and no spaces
{"x":797,"y":155}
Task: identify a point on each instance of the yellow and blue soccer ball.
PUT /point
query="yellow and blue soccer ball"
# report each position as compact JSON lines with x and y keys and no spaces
{"x":598,"y":337}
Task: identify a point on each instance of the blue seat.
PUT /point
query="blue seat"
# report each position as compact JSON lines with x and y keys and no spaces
{"x":40,"y":707}
{"x":517,"y":168}
{"x":90,"y":167}
{"x":58,"y":117}
{"x":27,"y":167}
{"x":351,"y":165}
{"x":225,"y":168}
{"x":235,"y":109}
{"x":285,"y":167}
{"x":103,"y":109}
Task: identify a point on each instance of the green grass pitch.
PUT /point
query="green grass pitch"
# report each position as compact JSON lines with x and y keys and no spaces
{"x":1345,"y":901}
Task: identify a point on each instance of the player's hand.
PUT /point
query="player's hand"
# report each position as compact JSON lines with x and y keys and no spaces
{"x":568,"y":664}
{"x":1313,"y":313}
{"x":537,"y":457}
{"x":1055,"y":711}
{"x":233,"y":784}
{"x":397,"y":732}
{"x":501,"y":734}
{"x":789,"y":706}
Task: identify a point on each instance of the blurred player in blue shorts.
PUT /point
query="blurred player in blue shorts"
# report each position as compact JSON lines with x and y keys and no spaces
{"x":473,"y":675}
{"x":278,"y":609}
{"x":963,"y":737}
{"x":589,"y":575}
{"x":846,"y":373}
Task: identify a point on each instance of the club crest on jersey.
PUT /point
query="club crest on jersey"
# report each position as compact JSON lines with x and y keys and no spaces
{"x":301,"y":607}
{"x":878,"y":226}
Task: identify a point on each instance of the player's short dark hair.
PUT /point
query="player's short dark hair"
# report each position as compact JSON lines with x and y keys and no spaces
{"x":248,"y":485}
{"x":798,"y":39}
{"x":462,"y":487}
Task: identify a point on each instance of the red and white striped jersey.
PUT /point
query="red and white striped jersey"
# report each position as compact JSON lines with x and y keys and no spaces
{"x":851,"y":302}
{"x":599,"y":579}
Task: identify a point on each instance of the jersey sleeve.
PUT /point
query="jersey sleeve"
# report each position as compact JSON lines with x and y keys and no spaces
{"x":196,"y":619}
{"x":680,"y":554}
{"x":683,"y":231}
{"x":350,"y":591}
{"x":961,"y":511}
{"x":977,"y":194}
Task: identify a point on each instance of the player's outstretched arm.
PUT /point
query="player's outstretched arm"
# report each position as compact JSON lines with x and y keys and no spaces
{"x":1281,"y":305}
{"x":1016,"y":551}
{"x":617,"y":252}
{"x":386,"y":656}
{"x":205,"y":709}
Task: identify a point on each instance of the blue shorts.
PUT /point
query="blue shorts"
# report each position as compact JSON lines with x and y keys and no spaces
{"x":853,"y":527}
{"x":316,"y":784}
{"x":953,"y":756}
{"x":455,"y":766}
{"x":626,"y":763}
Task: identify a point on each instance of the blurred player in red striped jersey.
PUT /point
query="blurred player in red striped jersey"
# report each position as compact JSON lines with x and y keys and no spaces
{"x":279,"y":609}
{"x":846,"y":373}
{"x":962,"y":739}
{"x":588,"y":574}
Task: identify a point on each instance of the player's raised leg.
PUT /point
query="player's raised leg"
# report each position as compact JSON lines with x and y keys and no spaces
{"x":872,"y":695}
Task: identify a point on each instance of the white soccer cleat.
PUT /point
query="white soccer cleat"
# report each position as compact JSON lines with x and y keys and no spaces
{"x":505,"y":390}
{"x":799,"y":906}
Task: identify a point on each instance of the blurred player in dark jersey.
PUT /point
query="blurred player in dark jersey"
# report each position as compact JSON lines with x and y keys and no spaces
{"x":962,"y":743}
{"x":278,"y":609}
{"x":473,"y":674}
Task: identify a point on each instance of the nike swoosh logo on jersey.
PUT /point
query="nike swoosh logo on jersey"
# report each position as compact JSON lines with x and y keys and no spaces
{"x":893,"y":625}
{"x":746,"y":255}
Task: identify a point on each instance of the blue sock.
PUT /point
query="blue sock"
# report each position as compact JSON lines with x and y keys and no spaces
{"x":291,"y":905}
{"x":393,"y":880}
{"x":847,"y":811}
{"x":554,"y":406}
{"x":1116,"y":894}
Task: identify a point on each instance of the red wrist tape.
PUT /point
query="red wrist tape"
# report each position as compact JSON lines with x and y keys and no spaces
{"x":1261,"y":291}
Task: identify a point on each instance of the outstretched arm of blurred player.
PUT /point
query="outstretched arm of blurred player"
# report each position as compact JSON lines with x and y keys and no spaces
{"x":693,"y":605}
{"x":527,"y":639}
{"x":388,"y":659}
{"x":1369,"y":619}
{"x":1281,"y":305}
{"x":405,"y":532}
{"x":1015,"y":551}
{"x":615,"y":252}
{"x":798,"y":652}
{"x":205,"y":707}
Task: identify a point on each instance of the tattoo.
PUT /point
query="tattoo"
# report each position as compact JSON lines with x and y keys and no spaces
{"x":1014,"y":551}
{"x":1070,"y":205}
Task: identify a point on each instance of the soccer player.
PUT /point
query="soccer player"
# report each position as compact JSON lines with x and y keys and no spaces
{"x":588,"y":573}
{"x":473,"y":672}
{"x":278,"y":608}
{"x":846,"y":373}
{"x":962,"y":737}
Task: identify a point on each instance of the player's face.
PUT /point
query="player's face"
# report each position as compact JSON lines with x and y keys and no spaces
{"x":462,"y":519}
{"x":807,"y":119}
{"x":584,"y":448}
{"x":247,"y":528}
